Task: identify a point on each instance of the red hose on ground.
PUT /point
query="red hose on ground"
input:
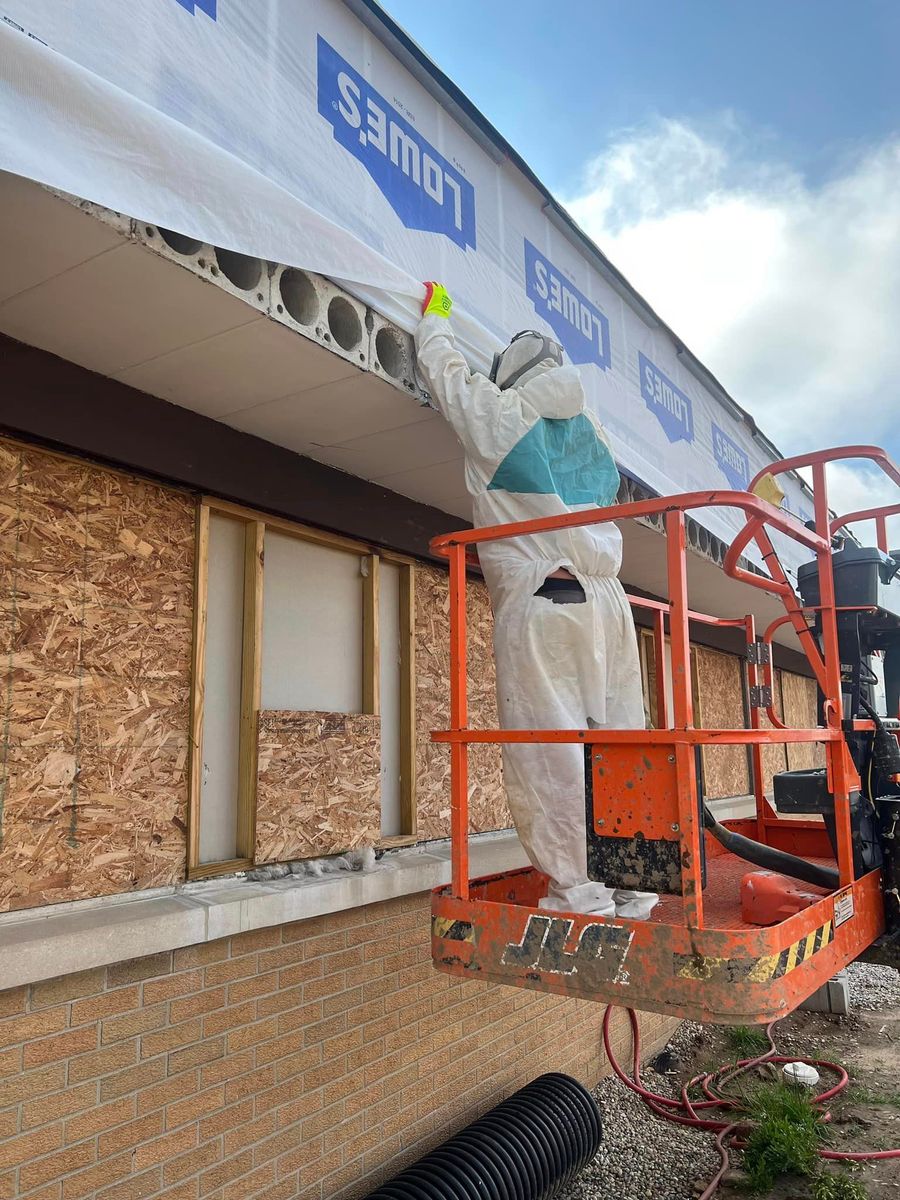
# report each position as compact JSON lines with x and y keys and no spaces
{"x":684,"y":1111}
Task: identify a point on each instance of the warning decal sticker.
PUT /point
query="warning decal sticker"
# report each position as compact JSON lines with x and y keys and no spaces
{"x":843,"y":907}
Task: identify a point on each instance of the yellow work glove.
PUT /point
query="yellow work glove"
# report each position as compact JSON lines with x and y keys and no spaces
{"x":437,"y":301}
{"x":767,"y":488}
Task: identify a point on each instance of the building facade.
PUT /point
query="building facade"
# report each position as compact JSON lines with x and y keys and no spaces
{"x":169,"y":1027}
{"x":224,"y":646}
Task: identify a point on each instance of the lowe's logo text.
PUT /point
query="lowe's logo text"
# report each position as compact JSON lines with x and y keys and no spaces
{"x":422,"y":188}
{"x":733,"y":462}
{"x":668,"y":403}
{"x":205,"y":6}
{"x":581,"y":327}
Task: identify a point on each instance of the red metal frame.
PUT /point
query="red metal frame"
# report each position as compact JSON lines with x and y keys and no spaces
{"x":492,"y":911}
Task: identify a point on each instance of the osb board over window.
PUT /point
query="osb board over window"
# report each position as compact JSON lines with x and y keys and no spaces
{"x":800,"y":699}
{"x":96,"y":579}
{"x":318,"y":784}
{"x":487,"y":801}
{"x":720,"y":700}
{"x":774,"y":757}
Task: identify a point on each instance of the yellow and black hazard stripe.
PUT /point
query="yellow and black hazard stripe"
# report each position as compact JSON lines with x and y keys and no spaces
{"x":452,"y":931}
{"x":796,"y":954}
{"x":754,"y":970}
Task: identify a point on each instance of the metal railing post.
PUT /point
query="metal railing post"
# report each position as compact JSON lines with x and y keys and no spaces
{"x":753,"y":677}
{"x":689,"y":829}
{"x":459,"y":720}
{"x":838,"y":755}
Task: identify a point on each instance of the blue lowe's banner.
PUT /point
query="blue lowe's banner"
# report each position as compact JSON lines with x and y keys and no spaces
{"x":733,"y":462}
{"x":295,"y":131}
{"x":668,"y":403}
{"x":204,"y":6}
{"x":420,"y":185}
{"x":582,"y":329}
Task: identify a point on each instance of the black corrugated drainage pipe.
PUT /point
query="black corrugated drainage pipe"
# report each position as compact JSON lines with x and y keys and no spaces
{"x":527,"y":1148}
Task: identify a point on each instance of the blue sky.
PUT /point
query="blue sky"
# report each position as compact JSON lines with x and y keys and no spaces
{"x":814,"y":78}
{"x":740,"y":162}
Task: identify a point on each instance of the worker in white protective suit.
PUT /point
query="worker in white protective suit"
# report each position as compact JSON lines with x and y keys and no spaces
{"x":564,"y":641}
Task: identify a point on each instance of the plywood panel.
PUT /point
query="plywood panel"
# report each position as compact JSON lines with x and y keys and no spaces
{"x":96,"y":578}
{"x":318,"y":789}
{"x":721,"y":706}
{"x":487,"y":802}
{"x":648,"y":679}
{"x":800,"y":701}
{"x":652,"y":715}
{"x":774,"y":757}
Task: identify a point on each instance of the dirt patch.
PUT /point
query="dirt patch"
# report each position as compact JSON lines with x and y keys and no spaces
{"x":645,"y":1158}
{"x":866,"y":1043}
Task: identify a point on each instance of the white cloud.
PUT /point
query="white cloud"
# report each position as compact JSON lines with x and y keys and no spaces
{"x":854,"y":488}
{"x":789,"y":292}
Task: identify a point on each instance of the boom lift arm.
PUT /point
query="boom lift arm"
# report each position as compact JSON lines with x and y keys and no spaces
{"x":726,"y":944}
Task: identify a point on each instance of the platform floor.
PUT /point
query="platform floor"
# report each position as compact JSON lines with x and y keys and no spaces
{"x":722,"y":894}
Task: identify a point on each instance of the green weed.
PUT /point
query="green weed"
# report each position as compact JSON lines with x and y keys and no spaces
{"x":785,"y":1139}
{"x":746,"y":1041}
{"x":826,"y":1186}
{"x":861,"y":1095}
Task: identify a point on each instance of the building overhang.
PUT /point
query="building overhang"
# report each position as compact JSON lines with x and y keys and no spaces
{"x":103,"y":292}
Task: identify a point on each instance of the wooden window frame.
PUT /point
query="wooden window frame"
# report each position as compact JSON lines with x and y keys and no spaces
{"x":255,"y":525}
{"x":646,"y":652}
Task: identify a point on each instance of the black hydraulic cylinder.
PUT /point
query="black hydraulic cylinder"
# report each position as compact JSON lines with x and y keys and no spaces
{"x":888,"y":810}
{"x":892,"y":678}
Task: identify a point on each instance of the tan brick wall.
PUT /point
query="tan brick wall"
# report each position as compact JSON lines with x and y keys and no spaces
{"x":304,"y":1060}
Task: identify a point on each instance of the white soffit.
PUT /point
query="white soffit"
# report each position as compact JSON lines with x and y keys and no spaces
{"x":120,"y":308}
{"x":710,"y":590}
{"x":358,"y":405}
{"x":82,"y":288}
{"x":41,"y":237}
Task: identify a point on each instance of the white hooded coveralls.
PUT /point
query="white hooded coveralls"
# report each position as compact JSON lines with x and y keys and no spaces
{"x":534,"y":450}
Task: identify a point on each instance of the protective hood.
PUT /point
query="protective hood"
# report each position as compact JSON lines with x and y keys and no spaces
{"x":523,"y":357}
{"x":552,"y":391}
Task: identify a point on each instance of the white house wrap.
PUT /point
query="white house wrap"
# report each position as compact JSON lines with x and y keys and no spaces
{"x":311,"y":133}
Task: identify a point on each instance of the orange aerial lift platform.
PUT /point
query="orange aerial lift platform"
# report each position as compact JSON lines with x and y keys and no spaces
{"x":755,"y":914}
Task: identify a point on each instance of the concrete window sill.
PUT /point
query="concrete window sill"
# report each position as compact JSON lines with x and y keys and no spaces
{"x":64,"y":938}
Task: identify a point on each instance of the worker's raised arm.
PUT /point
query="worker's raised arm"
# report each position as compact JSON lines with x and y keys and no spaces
{"x":486,"y":420}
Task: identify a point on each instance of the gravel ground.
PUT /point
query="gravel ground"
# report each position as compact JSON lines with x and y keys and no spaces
{"x":643,"y":1157}
{"x":872,"y":986}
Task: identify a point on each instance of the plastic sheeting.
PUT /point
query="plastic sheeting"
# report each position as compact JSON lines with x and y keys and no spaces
{"x":285,"y":130}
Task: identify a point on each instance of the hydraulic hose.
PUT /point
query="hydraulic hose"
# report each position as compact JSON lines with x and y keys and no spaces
{"x":769,"y":858}
{"x":723,"y":1113}
{"x":892,"y":678}
{"x":885,"y":749}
